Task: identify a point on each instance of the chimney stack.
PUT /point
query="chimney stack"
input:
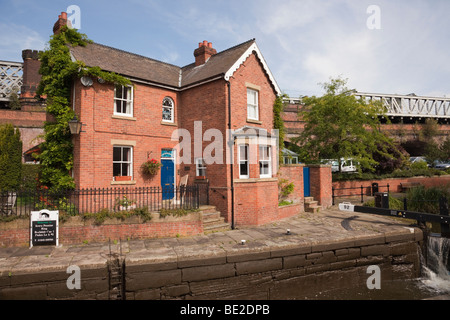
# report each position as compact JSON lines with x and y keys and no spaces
{"x":62,"y":21}
{"x":203,"y":52}
{"x":31,"y":76}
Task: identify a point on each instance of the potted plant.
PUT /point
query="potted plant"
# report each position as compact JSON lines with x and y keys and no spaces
{"x":125,"y":203}
{"x":151,"y":166}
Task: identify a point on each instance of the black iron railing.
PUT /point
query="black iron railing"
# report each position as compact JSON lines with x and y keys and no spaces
{"x":358,"y":191}
{"x":82,"y":201}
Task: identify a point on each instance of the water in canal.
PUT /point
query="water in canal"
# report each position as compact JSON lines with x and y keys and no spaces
{"x":434,"y":282}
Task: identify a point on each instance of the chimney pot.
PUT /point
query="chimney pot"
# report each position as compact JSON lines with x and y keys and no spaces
{"x":62,"y":21}
{"x":203,"y":52}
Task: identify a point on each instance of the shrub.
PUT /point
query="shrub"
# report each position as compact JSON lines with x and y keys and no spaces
{"x":419,"y":165}
{"x":423,"y":199}
{"x":394,"y":203}
{"x":30,"y":176}
{"x":10,"y":158}
{"x":175,"y":212}
{"x":285,"y":188}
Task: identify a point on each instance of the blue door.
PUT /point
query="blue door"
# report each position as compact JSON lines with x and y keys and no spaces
{"x":168,"y":178}
{"x":306,"y":182}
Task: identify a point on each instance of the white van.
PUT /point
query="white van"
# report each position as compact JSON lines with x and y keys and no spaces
{"x":346,"y":165}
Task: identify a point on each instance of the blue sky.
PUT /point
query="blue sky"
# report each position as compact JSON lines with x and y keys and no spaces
{"x":304,"y":42}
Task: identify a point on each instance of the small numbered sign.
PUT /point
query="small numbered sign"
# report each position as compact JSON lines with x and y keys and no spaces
{"x":346,"y":206}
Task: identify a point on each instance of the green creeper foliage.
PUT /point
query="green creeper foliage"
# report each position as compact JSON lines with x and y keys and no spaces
{"x":58,"y":74}
{"x":338,"y":125}
{"x":10,"y":158}
{"x":278,"y":122}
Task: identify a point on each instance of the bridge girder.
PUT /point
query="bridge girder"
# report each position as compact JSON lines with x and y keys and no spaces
{"x":11,"y":78}
{"x":404,"y":106}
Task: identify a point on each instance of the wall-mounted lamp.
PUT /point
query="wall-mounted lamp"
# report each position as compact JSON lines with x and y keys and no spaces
{"x":75,"y":126}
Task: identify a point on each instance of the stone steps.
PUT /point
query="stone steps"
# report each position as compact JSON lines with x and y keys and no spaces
{"x":312,"y":205}
{"x":212,"y":220}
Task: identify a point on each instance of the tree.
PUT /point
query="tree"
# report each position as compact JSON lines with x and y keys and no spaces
{"x":340,"y":126}
{"x":14,"y":102}
{"x":396,"y":159}
{"x":445,"y":148}
{"x":10,"y":158}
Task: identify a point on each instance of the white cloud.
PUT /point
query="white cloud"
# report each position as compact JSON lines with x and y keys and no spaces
{"x":307,"y":42}
{"x":15,"y":38}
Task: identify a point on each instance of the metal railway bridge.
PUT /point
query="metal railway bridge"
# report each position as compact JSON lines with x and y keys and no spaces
{"x":405,"y":108}
{"x":11,"y":79}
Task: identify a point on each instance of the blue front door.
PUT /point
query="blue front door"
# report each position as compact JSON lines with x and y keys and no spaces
{"x":306,"y":182}
{"x":168,"y":178}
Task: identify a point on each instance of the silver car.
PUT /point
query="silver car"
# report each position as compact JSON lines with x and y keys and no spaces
{"x":442,"y":165}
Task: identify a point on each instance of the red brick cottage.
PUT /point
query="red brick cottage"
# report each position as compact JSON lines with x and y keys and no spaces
{"x":211,"y":119}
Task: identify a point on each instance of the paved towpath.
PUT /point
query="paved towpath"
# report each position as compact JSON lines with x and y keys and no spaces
{"x":327,"y":226}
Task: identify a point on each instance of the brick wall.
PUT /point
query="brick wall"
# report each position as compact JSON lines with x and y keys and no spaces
{"x":207,"y":103}
{"x":256,"y":201}
{"x":30,"y":124}
{"x":21,"y":118}
{"x":102,"y":129}
{"x":402,"y":132}
{"x":321,"y":184}
{"x":252,"y":75}
{"x":76,"y":230}
{"x":293,"y":174}
{"x":31,"y":76}
{"x":394,"y":184}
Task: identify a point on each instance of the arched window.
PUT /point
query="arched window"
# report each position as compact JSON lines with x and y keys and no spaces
{"x":167,"y":110}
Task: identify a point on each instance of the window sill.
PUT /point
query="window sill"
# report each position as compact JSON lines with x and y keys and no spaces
{"x":127,"y":182}
{"x":166,"y":123}
{"x":254,"y":121}
{"x":116,"y":116}
{"x":255,"y":180}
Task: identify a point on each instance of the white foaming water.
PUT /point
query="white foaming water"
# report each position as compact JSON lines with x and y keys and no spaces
{"x":436,"y":273}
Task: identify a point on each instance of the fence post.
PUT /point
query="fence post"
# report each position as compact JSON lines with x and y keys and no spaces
{"x":332,"y":195}
{"x":362,"y":195}
{"x":443,"y":210}
{"x":405,"y":204}
{"x":198,"y":196}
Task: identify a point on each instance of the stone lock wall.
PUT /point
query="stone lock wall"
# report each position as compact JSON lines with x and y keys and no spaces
{"x":287,"y":270}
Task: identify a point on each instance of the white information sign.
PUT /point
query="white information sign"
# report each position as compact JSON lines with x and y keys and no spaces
{"x":44,"y":228}
{"x":346,"y":206}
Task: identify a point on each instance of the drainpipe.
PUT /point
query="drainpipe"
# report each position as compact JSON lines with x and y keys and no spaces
{"x":231,"y":155}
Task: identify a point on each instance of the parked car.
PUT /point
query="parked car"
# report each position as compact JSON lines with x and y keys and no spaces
{"x":347,"y":165}
{"x":417,"y":159}
{"x":442,"y":165}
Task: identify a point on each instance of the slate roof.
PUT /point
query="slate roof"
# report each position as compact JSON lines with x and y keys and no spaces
{"x":143,"y":68}
{"x":127,"y":64}
{"x":217,"y":64}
